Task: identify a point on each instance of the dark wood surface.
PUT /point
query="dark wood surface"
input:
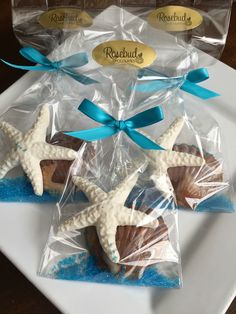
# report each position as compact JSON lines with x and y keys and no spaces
{"x":17,"y":294}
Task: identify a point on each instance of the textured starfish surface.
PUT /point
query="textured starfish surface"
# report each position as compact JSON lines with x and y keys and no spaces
{"x":161,"y":160}
{"x":30,"y":148}
{"x":107,"y":212}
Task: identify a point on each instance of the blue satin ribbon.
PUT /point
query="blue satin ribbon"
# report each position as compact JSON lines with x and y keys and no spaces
{"x":113,"y":126}
{"x":66,"y":65}
{"x":189,"y":83}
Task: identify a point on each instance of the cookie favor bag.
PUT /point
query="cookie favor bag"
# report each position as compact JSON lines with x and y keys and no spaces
{"x":116,"y":221}
{"x":32,"y":126}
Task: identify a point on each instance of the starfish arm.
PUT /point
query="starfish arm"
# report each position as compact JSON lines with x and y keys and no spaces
{"x":45,"y":151}
{"x":132,"y":217}
{"x":10,"y":162}
{"x":14,"y":134}
{"x":31,"y":167}
{"x":168,"y":138}
{"x":122,"y":191}
{"x":107,"y":238}
{"x":178,"y":159}
{"x":85,"y":218}
{"x":91,"y":190}
{"x":39,"y":130}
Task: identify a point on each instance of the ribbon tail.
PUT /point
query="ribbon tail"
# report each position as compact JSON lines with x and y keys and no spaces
{"x":79,"y":77}
{"x":198,"y":75}
{"x":93,"y":134}
{"x":157,"y":85}
{"x":92,"y":111}
{"x":146,"y":118}
{"x":152,"y":86}
{"x":142,"y":140}
{"x":198,"y":91}
{"x":75,"y":61}
{"x":27,"y":67}
{"x":150,"y":73}
{"x":35,"y":56}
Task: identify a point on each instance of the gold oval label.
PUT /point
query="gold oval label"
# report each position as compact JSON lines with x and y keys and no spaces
{"x":174,"y":18}
{"x":124,"y":52}
{"x":65,"y":18}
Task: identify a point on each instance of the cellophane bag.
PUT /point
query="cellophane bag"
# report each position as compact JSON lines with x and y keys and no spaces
{"x":116,"y":221}
{"x":46,"y":24}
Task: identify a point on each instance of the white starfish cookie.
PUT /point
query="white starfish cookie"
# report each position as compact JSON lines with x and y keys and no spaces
{"x":30,"y":148}
{"x":107,"y":212}
{"x":161,"y":160}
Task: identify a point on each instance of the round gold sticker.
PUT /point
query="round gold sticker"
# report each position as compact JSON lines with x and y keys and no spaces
{"x":174,"y":18}
{"x":124,"y":52}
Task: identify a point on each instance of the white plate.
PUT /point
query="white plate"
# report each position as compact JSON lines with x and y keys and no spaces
{"x":208,"y":241}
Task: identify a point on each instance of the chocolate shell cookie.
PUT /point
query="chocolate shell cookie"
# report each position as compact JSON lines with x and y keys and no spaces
{"x":139,"y":248}
{"x":192,"y":185}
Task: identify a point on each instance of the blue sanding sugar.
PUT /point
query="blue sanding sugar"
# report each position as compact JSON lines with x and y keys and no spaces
{"x":215,"y":204}
{"x":82,"y":267}
{"x":19,"y":189}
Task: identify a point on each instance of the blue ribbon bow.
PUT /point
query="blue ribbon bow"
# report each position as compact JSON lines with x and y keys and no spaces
{"x":66,"y":65}
{"x":189,"y":85}
{"x":113,"y":126}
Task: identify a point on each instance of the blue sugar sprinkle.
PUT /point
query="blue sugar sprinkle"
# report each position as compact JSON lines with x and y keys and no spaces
{"x":20,"y":190}
{"x":214,"y":204}
{"x":82,"y":267}
{"x":217,"y":204}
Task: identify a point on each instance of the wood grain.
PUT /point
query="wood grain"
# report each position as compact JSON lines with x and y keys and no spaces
{"x":17,"y":294}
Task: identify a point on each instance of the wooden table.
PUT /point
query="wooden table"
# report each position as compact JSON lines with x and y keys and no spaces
{"x":17,"y":294}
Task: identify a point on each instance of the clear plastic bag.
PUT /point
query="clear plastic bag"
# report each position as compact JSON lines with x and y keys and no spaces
{"x":207,"y":32}
{"x":76,"y":249}
{"x":113,"y":223}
